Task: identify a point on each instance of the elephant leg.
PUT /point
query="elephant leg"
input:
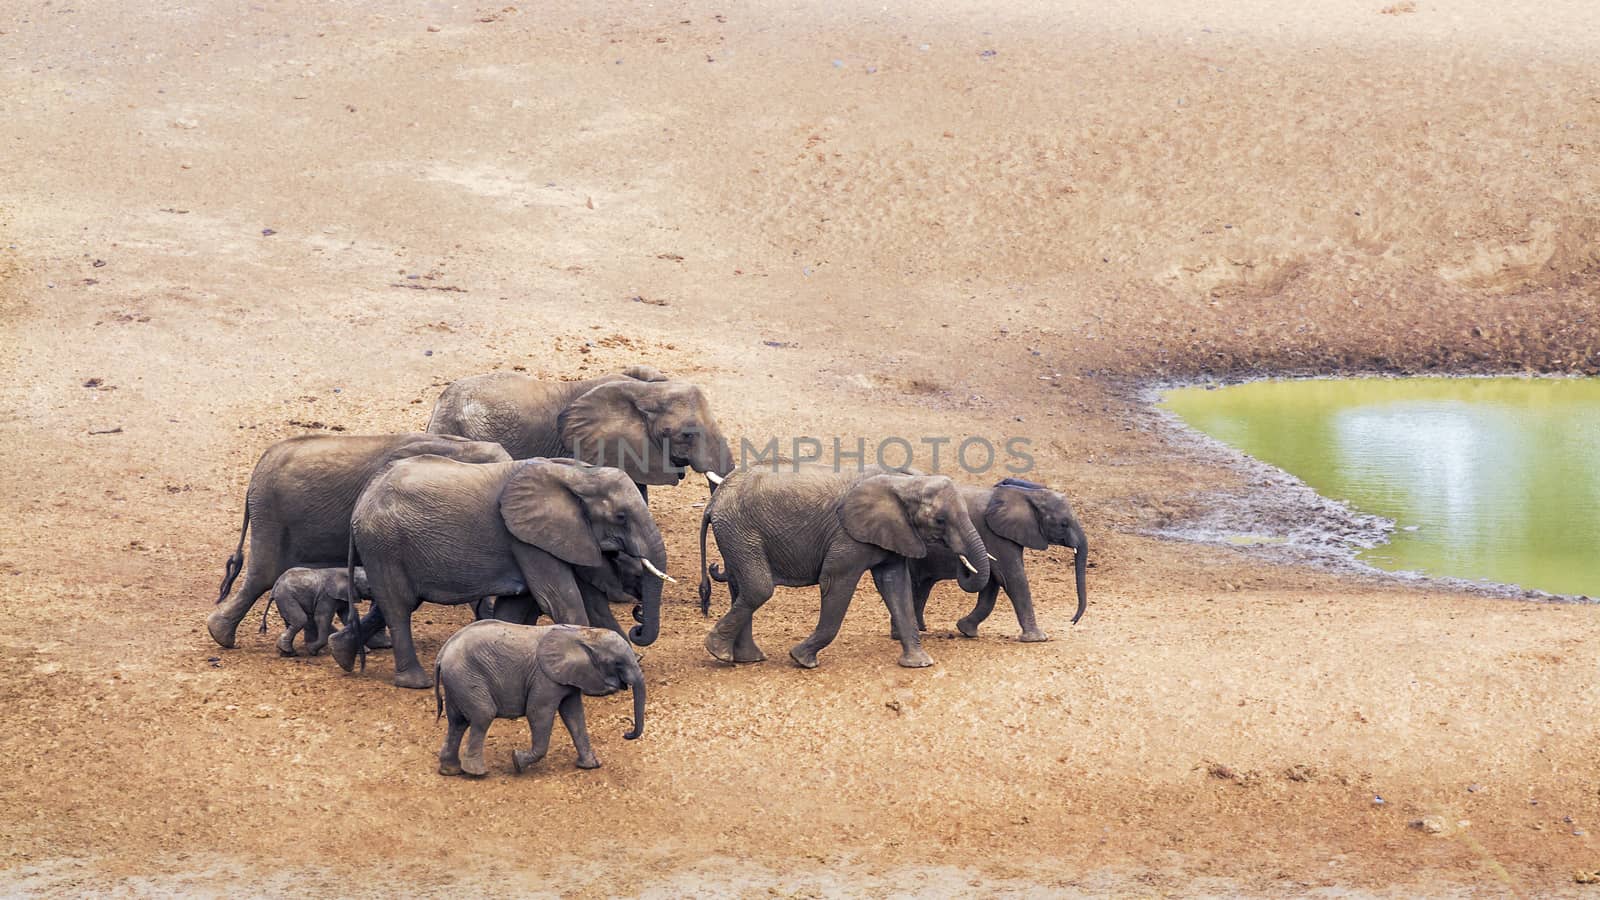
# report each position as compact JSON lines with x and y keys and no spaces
{"x":541,"y":720}
{"x":518,"y":609}
{"x":373,"y":625}
{"x":733,"y":636}
{"x":450,"y":753}
{"x":837,"y":589}
{"x":261,"y":569}
{"x":483,"y":609}
{"x":598,"y":609}
{"x":919,"y":601}
{"x":323,"y":622}
{"x":968,"y":626}
{"x":551,"y":582}
{"x":294,"y":622}
{"x":1022,"y":604}
{"x":894,"y":583}
{"x":472,"y":760}
{"x":408,"y":672}
{"x":286,"y":641}
{"x":572,"y":716}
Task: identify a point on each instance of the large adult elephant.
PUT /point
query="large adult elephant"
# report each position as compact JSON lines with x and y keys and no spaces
{"x":433,"y":529}
{"x":640,"y":421}
{"x":1011,"y":516}
{"x":297,"y":508}
{"x":813,"y":525}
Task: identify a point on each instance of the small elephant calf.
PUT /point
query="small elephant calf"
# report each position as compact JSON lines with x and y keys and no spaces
{"x":500,"y":670}
{"x":308,"y":599}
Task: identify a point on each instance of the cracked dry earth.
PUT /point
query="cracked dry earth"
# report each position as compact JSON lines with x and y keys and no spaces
{"x":226,"y":224}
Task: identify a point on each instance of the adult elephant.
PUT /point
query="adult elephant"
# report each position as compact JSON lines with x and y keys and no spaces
{"x":1013,"y":515}
{"x":640,"y":421}
{"x":813,"y":525}
{"x":297,"y":508}
{"x":433,"y":529}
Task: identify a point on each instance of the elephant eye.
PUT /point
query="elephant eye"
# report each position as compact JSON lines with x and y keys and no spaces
{"x":939,"y":521}
{"x":620,"y":515}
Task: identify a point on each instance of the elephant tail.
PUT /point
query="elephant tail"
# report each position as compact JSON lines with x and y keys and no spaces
{"x":236,"y":561}
{"x":354,"y":621}
{"x":705,"y":578}
{"x":438,"y":695}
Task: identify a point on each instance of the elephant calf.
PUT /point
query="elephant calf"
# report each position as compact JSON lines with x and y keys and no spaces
{"x":1011,"y":516}
{"x":308,"y":599}
{"x":498,"y":670}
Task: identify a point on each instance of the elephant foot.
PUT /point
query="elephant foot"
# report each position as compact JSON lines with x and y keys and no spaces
{"x":473,"y":767}
{"x":222,"y":630}
{"x":916,"y":658}
{"x":344,"y":651}
{"x":450,"y":767}
{"x":1034,"y":636}
{"x":589,"y":762}
{"x":720,"y":647}
{"x":750,"y":654}
{"x":380,"y":641}
{"x":416,"y":678}
{"x":967,"y":629}
{"x":921,"y":625}
{"x":316,"y":648}
{"x":285,"y":651}
{"x":803,"y":656}
{"x":523,"y":760}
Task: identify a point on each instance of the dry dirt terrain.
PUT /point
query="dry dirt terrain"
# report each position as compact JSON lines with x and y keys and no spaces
{"x":225,"y":224}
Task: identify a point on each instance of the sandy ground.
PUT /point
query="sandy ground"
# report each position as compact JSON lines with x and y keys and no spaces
{"x":214,"y":212}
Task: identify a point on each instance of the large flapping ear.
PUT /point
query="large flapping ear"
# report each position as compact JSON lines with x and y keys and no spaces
{"x":565,"y":655}
{"x":1013,"y":517}
{"x":606,"y":426}
{"x":645,"y":373}
{"x":540,"y":507}
{"x":874,"y":512}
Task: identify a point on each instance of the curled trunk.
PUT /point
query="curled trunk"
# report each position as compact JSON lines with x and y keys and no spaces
{"x":967,"y":543}
{"x":648,"y":613}
{"x":1081,"y":567}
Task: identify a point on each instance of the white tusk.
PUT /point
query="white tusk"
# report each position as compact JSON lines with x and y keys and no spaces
{"x":992,"y":557}
{"x":714,"y":478}
{"x":657,"y":572}
{"x":964,"y":562}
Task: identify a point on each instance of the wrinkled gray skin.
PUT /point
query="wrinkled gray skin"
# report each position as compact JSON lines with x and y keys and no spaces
{"x":623,"y":420}
{"x":819,"y":527}
{"x":308,"y":599}
{"x":622,"y":581}
{"x":497,"y":670}
{"x":433,"y":529}
{"x":297,"y":508}
{"x":1010,"y":516}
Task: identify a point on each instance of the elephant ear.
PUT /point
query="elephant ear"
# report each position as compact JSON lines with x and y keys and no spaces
{"x":873,"y":513}
{"x":645,"y":373}
{"x":607,"y":426}
{"x":540,"y":508}
{"x":565,"y":655}
{"x":1012,"y":516}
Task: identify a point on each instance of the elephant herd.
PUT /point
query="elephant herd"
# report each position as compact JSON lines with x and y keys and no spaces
{"x":529,"y":498}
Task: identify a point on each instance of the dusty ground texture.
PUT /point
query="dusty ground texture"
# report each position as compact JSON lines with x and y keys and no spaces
{"x":208,"y":225}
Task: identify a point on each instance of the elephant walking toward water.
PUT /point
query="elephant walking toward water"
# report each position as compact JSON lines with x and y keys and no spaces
{"x":1011,"y":516}
{"x":816,"y":526}
{"x":558,"y":532}
{"x":639,"y":421}
{"x":297,"y":508}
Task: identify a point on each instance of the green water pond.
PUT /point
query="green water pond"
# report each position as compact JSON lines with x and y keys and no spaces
{"x":1489,"y":479}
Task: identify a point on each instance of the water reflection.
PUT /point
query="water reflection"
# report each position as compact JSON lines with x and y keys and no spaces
{"x":1495,"y":479}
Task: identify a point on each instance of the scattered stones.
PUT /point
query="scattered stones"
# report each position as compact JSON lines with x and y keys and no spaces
{"x":1586,"y":876}
{"x":648,"y":301}
{"x":1303,"y":774}
{"x":779,"y":344}
{"x":1429,"y":824}
{"x":988,"y":54}
{"x":116,"y":430}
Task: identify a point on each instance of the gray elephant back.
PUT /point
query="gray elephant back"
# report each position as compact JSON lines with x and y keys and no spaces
{"x":516,"y":411}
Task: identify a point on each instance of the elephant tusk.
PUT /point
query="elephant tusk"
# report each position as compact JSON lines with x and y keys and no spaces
{"x":967,"y":563}
{"x":657,"y":572}
{"x":992,"y":557}
{"x":714,"y":478}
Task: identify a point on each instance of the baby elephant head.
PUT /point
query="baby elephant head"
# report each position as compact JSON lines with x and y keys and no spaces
{"x":906,"y":513}
{"x":597,"y":662}
{"x":652,"y":430}
{"x":1037,"y":517}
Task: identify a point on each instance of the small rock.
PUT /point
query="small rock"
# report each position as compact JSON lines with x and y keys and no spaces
{"x":987,"y":54}
{"x":1429,"y":824}
{"x":1474,"y":788}
{"x":433,"y":28}
{"x":1377,"y":801}
{"x":892,"y":704}
{"x":99,"y":264}
{"x":268,"y":232}
{"x":838,"y":64}
{"x":427,"y":353}
{"x":1578,"y":832}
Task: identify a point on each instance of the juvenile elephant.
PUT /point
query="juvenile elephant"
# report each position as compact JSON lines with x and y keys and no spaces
{"x":639,"y":421}
{"x":430,"y":528}
{"x":813,"y":525}
{"x":297,"y":508}
{"x":1012,"y":515}
{"x":308,"y":599}
{"x":496,"y":670}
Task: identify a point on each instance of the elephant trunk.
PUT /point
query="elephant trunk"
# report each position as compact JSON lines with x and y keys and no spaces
{"x":713,"y":454}
{"x":973,"y":575}
{"x":636,"y":680}
{"x":1081,"y":567}
{"x":648,"y":613}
